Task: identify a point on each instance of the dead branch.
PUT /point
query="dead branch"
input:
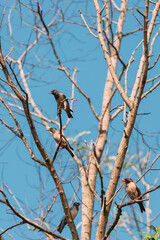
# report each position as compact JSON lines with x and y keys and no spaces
{"x":87,"y":25}
{"x":119,"y":211}
{"x":150,"y":90}
{"x":60,"y":63}
{"x":25,"y":219}
{"x":13,"y":226}
{"x":40,"y":147}
{"x":107,"y":57}
{"x":20,"y":135}
{"x":4,"y":10}
{"x":154,"y":62}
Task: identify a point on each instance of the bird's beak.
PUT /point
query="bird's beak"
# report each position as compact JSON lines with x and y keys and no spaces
{"x":48,"y":129}
{"x":50,"y":92}
{"x":123,"y":180}
{"x":80,"y":203}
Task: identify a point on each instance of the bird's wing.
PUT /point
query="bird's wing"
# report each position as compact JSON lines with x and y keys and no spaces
{"x":74,"y":211}
{"x":65,"y":141}
{"x":56,"y":136}
{"x":138,"y":191}
{"x":62,"y":224}
{"x":66,"y":105}
{"x":62,"y":98}
{"x":131,"y":190}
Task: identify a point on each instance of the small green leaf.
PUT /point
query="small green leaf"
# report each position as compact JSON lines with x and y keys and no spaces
{"x":82,"y":147}
{"x":127,"y":164}
{"x":152,"y":227}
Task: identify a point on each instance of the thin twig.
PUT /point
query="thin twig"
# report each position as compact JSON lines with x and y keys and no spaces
{"x":59,"y":144}
{"x":18,"y":224}
{"x":61,"y":65}
{"x":87,"y":25}
{"x":150,"y":90}
{"x":26,"y":220}
{"x":3,"y":13}
{"x":154,"y":62}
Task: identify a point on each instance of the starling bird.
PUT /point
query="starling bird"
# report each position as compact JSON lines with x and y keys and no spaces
{"x":74,"y":211}
{"x":62,"y":102}
{"x":64,"y":143}
{"x":133,"y":191}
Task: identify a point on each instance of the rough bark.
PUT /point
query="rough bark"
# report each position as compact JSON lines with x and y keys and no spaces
{"x":88,"y":197}
{"x":41,"y":149}
{"x":124,"y":141}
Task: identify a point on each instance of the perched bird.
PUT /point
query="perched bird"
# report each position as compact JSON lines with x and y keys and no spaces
{"x":133,"y":191}
{"x":62,"y":102}
{"x":64,"y":143}
{"x":74,"y":211}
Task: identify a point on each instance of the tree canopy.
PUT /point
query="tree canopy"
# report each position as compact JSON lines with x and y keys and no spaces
{"x":104,"y":57}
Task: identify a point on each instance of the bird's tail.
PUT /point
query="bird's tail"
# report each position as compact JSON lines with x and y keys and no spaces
{"x":69,"y":114}
{"x":62,"y":225}
{"x":70,"y":151}
{"x":60,"y":229}
{"x":141,"y":206}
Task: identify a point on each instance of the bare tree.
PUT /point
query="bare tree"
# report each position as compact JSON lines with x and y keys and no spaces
{"x":127,"y":84}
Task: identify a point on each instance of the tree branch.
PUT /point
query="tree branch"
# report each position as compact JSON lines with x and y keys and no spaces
{"x":107,"y":57}
{"x":40,"y":148}
{"x":26,"y":220}
{"x":119,"y":211}
{"x":60,"y":63}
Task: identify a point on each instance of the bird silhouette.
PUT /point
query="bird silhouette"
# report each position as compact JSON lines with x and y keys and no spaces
{"x":133,"y":191}
{"x":64,"y":143}
{"x":74,"y":211}
{"x":62,"y":102}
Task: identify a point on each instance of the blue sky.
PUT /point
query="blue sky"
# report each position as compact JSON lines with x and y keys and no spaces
{"x":76,"y":48}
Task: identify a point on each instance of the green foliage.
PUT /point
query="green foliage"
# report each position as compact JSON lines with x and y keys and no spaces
{"x":127,"y":164}
{"x":155,"y":235}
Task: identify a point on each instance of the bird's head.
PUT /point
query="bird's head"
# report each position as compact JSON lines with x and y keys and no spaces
{"x":127,"y":180}
{"x":77,"y":204}
{"x":54,"y":92}
{"x":51,"y":130}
